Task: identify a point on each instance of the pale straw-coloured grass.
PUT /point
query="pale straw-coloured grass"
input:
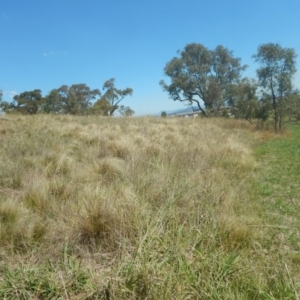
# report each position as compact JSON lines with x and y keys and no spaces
{"x":146,"y":208}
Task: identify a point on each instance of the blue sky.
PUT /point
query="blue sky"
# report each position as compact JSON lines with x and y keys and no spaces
{"x":48,"y":43}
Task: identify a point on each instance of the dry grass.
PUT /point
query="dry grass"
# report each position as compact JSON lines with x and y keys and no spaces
{"x":139,"y":208}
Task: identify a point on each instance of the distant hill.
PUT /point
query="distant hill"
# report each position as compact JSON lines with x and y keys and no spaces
{"x":178,"y":111}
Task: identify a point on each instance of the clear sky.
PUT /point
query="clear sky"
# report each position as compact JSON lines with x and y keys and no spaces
{"x":48,"y":43}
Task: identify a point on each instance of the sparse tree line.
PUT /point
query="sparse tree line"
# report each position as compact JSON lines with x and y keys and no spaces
{"x":77,"y":99}
{"x":212,"y":81}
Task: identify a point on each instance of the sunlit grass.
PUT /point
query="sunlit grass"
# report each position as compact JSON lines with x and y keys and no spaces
{"x":144,"y":208}
{"x":279,"y":192}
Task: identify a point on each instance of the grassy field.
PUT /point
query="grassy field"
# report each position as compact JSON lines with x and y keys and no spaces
{"x":147,"y":208}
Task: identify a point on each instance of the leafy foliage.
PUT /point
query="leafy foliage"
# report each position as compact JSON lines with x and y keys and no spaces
{"x":53,"y":103}
{"x":202,"y":75}
{"x":277,"y":67}
{"x":28,"y":102}
{"x":73,"y":100}
{"x":243,"y":99}
{"x":112,"y":97}
{"x":76,"y":99}
{"x":4,"y":105}
{"x":292,"y":107}
{"x":126,"y":111}
{"x":101,"y":107}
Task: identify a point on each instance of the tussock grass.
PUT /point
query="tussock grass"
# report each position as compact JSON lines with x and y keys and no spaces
{"x":134,"y":208}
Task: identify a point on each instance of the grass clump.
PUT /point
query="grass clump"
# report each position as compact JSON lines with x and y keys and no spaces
{"x":146,"y":208}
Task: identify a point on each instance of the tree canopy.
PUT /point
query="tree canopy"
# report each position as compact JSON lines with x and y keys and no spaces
{"x":126,"y":111}
{"x":76,"y":99}
{"x":277,"y":67}
{"x":101,"y":107}
{"x":202,"y":75}
{"x":28,"y":102}
{"x":53,"y":103}
{"x":208,"y":80}
{"x":243,"y":100}
{"x":109,"y":102}
{"x":3,"y":104}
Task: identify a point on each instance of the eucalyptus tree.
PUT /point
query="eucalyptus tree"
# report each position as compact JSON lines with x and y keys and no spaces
{"x":292,"y":106}
{"x":53,"y":102}
{"x":28,"y":102}
{"x":73,"y":100}
{"x":200,"y":75}
{"x":126,"y":111}
{"x":277,"y":67}
{"x":113,"y":96}
{"x":243,"y":100}
{"x":4,"y":105}
{"x":101,"y":107}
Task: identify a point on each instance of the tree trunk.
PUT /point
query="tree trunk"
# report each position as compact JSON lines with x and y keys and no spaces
{"x":276,"y":120}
